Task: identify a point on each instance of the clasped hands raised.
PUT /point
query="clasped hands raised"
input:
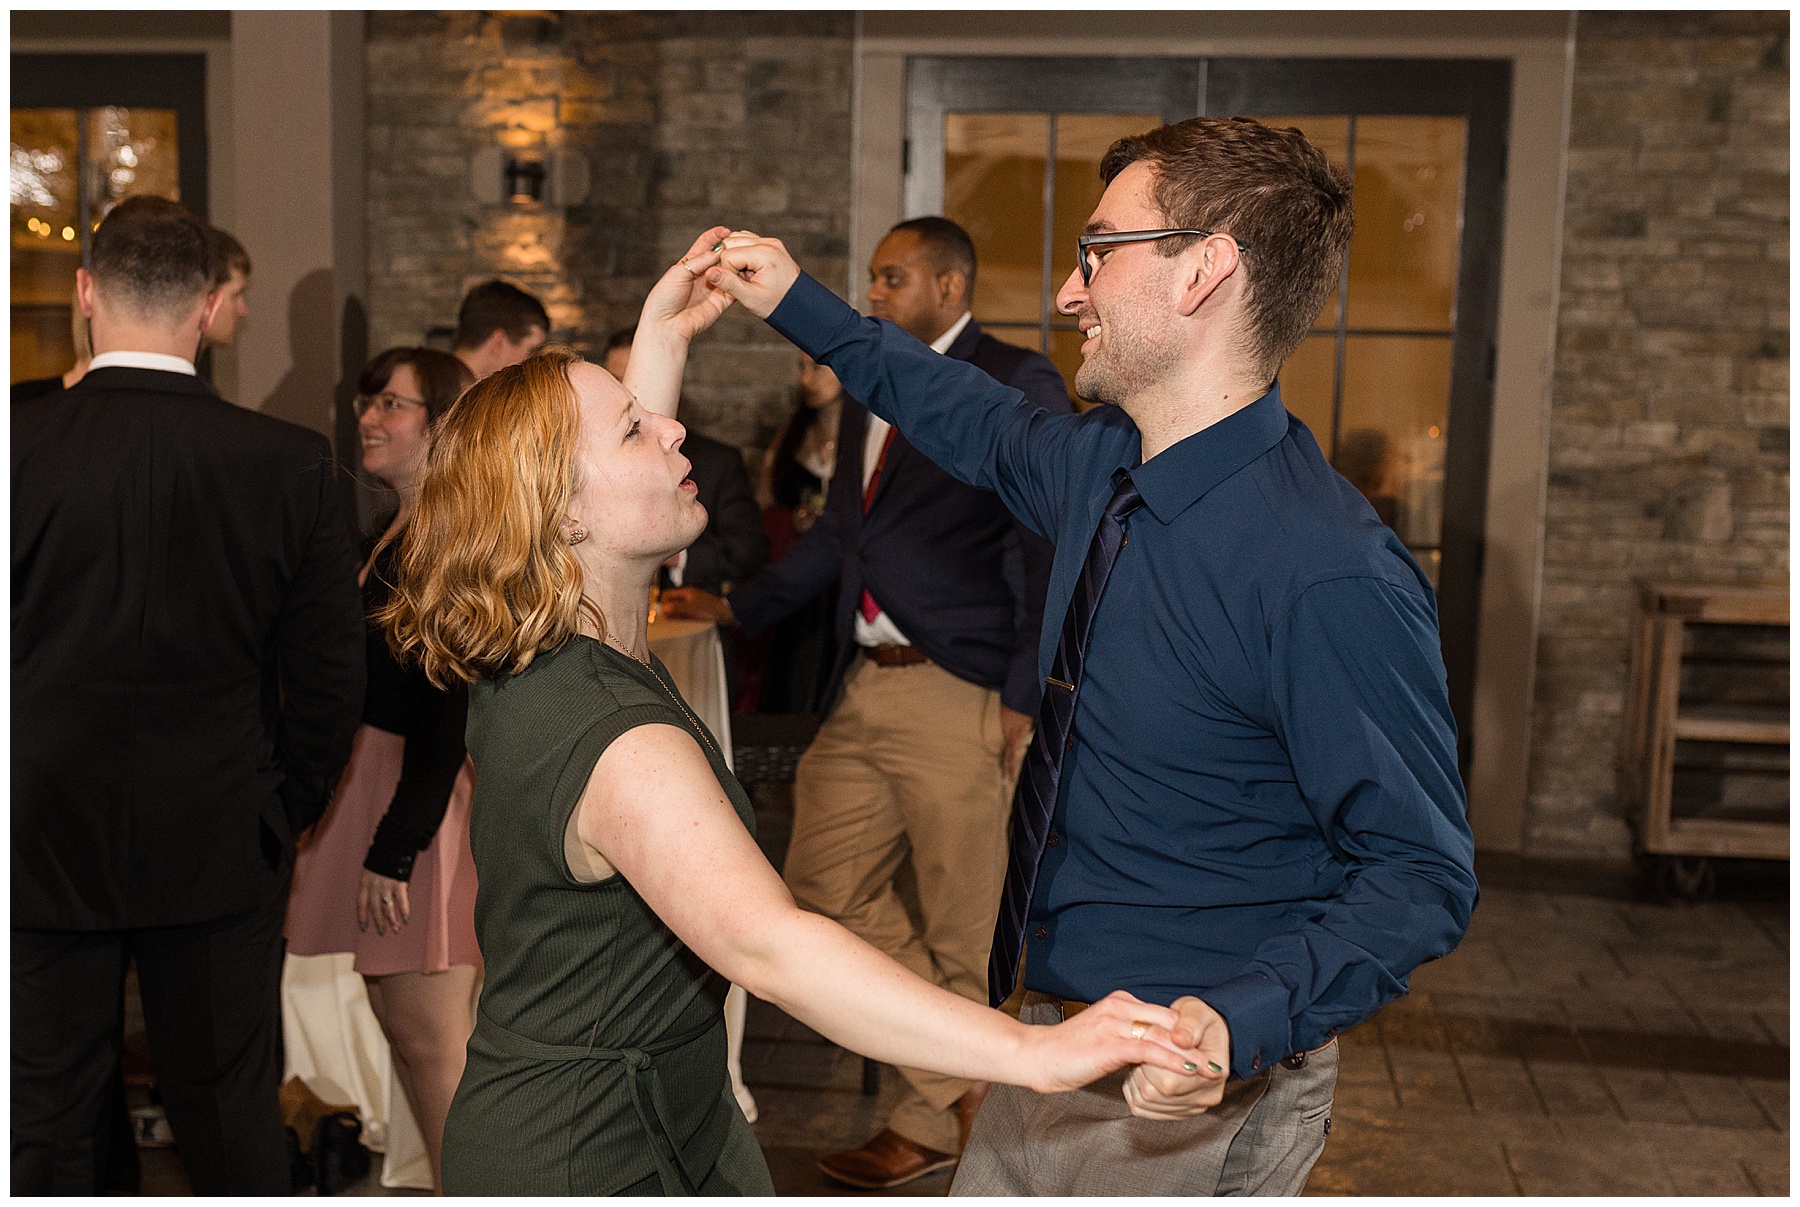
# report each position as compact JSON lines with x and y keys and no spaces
{"x":722,"y":266}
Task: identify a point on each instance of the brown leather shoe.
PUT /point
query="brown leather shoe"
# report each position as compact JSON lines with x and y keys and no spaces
{"x":966,"y":1106}
{"x":888,"y":1160}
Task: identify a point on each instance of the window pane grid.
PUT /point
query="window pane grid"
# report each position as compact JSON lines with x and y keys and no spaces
{"x":1023,"y":185}
{"x":70,"y":166}
{"x":1372,"y":379}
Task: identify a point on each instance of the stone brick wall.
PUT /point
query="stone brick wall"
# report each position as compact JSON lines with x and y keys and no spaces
{"x":687,"y":118}
{"x":1669,"y":415}
{"x":1669,"y":412}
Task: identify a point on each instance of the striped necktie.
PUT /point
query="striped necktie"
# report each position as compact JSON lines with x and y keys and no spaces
{"x":1035,"y":801}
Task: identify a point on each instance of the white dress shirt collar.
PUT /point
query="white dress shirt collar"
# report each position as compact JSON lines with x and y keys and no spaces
{"x":882,"y":630}
{"x":876,"y":434}
{"x":142,"y":360}
{"x":942,"y":343}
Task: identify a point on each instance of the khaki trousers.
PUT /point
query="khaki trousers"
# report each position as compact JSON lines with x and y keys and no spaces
{"x":909,"y":762}
{"x":1261,"y":1140}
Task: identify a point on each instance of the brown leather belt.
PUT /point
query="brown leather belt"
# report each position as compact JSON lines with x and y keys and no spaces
{"x":893,"y":655}
{"x":1070,"y":1009}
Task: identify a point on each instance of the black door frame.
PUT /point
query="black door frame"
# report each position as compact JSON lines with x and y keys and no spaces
{"x":1479,"y":90}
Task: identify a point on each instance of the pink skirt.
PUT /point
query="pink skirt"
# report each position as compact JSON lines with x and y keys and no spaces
{"x":321,"y":916}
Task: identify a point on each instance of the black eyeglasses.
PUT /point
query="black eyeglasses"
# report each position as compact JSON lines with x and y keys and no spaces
{"x":1090,"y":263}
{"x":387,"y":402}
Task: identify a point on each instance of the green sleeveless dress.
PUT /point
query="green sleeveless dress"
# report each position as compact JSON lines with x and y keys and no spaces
{"x":598,"y":1060}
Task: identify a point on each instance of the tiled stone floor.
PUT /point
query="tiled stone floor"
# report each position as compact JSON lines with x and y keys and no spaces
{"x":1583,"y":1040}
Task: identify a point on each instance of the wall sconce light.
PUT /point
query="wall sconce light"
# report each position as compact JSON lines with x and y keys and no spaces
{"x":524,"y":180}
{"x":529,"y":27}
{"x":501,"y":177}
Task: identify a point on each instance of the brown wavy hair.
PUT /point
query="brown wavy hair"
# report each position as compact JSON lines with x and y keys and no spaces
{"x":486,"y":579}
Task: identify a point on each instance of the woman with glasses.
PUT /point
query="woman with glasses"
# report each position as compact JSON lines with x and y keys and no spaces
{"x":387,"y":874}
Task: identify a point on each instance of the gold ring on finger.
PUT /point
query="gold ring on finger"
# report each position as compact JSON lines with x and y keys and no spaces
{"x":1139,"y":1030}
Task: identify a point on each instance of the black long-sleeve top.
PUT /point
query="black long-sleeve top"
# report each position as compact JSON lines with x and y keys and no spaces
{"x":400,"y":699}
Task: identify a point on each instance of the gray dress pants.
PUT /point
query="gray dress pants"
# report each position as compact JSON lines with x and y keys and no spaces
{"x":1261,"y":1140}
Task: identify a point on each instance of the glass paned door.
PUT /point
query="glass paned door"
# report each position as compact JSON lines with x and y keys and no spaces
{"x":46,"y":239}
{"x":996,"y":166}
{"x":1395,"y":379}
{"x":69,"y":168}
{"x":1372,"y":381}
{"x":89,"y":130}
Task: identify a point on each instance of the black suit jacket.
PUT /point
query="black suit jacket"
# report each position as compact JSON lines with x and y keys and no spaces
{"x":187,"y":643}
{"x":948,"y":563}
{"x":734,"y":545}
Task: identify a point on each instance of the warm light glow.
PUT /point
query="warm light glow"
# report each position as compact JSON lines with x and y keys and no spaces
{"x":69,"y":233}
{"x":43,"y":229}
{"x":1434,"y":431}
{"x":31,"y":224}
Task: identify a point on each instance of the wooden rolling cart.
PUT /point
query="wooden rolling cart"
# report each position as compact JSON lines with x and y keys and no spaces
{"x":1703,"y":772}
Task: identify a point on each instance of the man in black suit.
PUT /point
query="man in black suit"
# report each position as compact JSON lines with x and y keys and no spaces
{"x":498,"y":325}
{"x":940,"y":600}
{"x":187,"y":648}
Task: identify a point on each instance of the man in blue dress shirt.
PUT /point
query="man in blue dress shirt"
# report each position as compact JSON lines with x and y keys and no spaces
{"x":1255,"y":813}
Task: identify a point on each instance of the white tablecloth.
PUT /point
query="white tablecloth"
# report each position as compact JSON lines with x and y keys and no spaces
{"x":696,"y":661}
{"x":333,"y":1040}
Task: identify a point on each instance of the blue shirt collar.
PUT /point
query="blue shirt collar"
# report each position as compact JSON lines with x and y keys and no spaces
{"x":1181,"y":475}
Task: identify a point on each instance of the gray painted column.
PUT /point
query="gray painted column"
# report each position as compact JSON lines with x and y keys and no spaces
{"x":297,"y":168}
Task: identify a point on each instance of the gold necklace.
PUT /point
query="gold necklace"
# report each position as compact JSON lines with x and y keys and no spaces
{"x":699,"y":726}
{"x":615,"y":645}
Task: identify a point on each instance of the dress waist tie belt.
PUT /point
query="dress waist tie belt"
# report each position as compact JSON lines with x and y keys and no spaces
{"x":641,"y":1079}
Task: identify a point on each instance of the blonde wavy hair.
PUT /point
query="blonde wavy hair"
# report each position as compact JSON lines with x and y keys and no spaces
{"x":486,"y":580}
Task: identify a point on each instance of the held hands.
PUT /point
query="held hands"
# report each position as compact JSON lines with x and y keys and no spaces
{"x":721,"y":266}
{"x":691,"y":603}
{"x":1154,"y":1092}
{"x":753,"y":270}
{"x":383,"y":902}
{"x":1116,"y":1031}
{"x":681,"y":303}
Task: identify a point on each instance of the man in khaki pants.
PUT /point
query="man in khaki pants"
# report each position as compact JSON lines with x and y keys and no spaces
{"x":929,"y":711}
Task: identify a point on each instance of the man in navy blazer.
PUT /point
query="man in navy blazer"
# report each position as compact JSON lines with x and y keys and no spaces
{"x":932,"y":694}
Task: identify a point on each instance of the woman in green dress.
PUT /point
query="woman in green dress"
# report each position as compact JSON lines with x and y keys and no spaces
{"x":620,"y":885}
